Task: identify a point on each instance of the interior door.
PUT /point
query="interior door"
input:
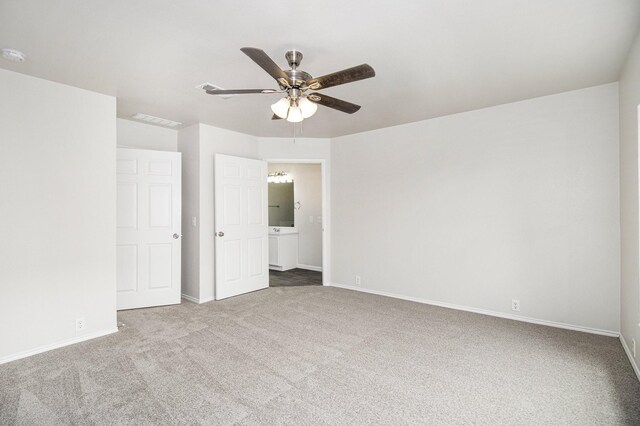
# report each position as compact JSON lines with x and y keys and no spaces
{"x":149,"y":227}
{"x":241,"y":224}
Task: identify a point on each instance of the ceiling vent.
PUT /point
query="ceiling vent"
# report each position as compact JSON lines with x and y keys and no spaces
{"x":13,"y":55}
{"x":155,"y":120}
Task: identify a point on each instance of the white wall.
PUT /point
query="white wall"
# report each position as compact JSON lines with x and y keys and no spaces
{"x":189,"y":146}
{"x":58,"y":192}
{"x":629,"y":291}
{"x":290,"y":149}
{"x":307,"y":188}
{"x":199,"y":144}
{"x":215,"y":141}
{"x":134,"y":134}
{"x":518,"y":201}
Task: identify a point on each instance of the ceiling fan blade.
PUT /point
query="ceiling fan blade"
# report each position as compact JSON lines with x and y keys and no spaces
{"x":341,"y":77}
{"x":241,"y":91}
{"x":275,"y":117}
{"x":334,"y":103}
{"x":266,"y":63}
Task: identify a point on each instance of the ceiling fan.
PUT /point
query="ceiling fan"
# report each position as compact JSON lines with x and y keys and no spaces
{"x":297,"y":103}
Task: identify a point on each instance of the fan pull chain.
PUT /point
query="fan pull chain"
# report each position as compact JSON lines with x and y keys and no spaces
{"x":294,"y":131}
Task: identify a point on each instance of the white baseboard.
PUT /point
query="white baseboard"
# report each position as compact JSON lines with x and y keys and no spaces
{"x":309,"y":267}
{"x":45,"y":348}
{"x":190,"y":298}
{"x":195,"y":299}
{"x":630,"y":356}
{"x":483,"y":311}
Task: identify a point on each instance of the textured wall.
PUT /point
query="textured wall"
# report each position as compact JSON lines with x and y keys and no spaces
{"x":518,"y":201}
{"x":58,"y":192}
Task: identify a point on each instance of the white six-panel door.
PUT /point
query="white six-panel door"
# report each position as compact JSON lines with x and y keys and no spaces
{"x":148,"y":228}
{"x":242,"y":240}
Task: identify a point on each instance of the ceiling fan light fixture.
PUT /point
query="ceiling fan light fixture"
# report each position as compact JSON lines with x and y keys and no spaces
{"x":298,"y":105}
{"x":307,"y":107}
{"x":281,"y":108}
{"x":295,"y":115}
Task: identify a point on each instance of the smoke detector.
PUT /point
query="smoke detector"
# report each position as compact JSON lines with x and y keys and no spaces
{"x":13,"y":55}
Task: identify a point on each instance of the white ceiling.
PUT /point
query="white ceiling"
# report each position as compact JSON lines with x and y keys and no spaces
{"x":432,"y":57}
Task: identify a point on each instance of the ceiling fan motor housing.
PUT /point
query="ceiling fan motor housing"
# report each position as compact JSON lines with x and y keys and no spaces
{"x":297,"y":77}
{"x":294,"y":58}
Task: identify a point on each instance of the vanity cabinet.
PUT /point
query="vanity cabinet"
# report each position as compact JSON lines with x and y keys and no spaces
{"x":283,"y":251}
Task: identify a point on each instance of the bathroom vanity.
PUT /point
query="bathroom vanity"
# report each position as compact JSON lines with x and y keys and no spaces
{"x":283,"y":248}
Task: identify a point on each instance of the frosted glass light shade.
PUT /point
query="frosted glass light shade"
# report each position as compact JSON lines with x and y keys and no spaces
{"x":281,"y":108}
{"x":307,"y":107}
{"x":295,"y":115}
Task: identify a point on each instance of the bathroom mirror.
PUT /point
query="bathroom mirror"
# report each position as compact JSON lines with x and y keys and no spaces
{"x":281,"y":204}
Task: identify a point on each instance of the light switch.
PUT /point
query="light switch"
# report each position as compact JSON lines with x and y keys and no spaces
{"x":319,"y":219}
{"x":194,"y":221}
{"x":310,"y":219}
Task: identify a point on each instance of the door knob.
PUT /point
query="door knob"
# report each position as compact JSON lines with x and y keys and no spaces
{"x":176,"y":236}
{"x":220,"y":234}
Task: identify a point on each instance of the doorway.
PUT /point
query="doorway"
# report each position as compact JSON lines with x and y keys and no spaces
{"x":296,"y":211}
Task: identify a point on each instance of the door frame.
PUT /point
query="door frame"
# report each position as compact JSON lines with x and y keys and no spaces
{"x":326,"y":218}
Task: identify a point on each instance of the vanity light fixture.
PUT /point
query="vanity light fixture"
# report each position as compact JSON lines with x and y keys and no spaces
{"x":279,"y":177}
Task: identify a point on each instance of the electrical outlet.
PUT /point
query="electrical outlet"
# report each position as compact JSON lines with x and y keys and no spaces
{"x":515,"y":305}
{"x":358,"y":280}
{"x":80,"y":324}
{"x":194,"y":221}
{"x":633,"y":347}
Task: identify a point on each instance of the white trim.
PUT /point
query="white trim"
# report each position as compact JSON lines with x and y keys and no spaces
{"x":278,"y":268}
{"x":190,"y":298}
{"x":295,"y":160}
{"x":57,"y":345}
{"x":630,"y":356}
{"x":144,"y":149}
{"x":484,"y":311}
{"x":309,"y":267}
{"x":195,"y":299}
{"x":326,"y":217}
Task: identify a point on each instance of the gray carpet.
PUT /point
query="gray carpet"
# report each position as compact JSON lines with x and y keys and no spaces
{"x":317,"y":355}
{"x":294,"y":277}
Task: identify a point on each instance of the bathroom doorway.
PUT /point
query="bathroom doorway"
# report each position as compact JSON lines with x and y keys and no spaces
{"x":296,"y":223}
